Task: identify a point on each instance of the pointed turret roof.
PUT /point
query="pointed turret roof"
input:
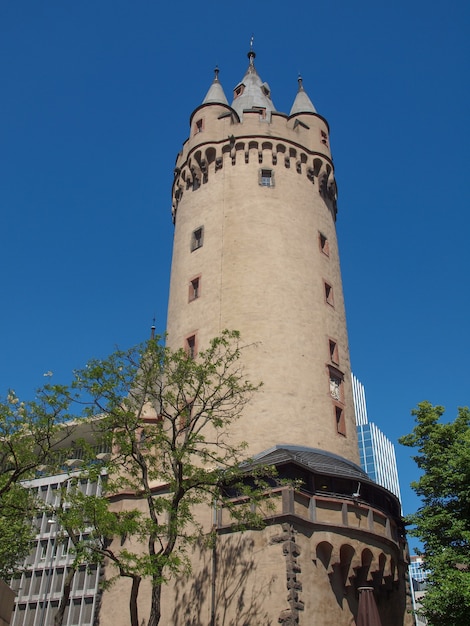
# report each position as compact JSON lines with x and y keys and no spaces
{"x":302,"y":103}
{"x":254,"y":94}
{"x":216,"y":92}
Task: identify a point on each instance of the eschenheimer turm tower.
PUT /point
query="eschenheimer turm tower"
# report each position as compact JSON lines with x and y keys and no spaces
{"x":255,"y":249}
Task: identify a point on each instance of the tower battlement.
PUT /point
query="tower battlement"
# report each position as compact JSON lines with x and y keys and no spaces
{"x":218,"y":139}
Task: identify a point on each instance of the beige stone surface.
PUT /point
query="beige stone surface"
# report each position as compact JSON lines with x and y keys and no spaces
{"x":262,"y":271}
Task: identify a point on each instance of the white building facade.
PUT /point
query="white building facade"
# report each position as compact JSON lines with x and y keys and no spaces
{"x":40,"y":586}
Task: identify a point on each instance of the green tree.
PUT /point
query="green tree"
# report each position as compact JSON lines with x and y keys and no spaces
{"x":31,"y":435}
{"x":442,"y":523}
{"x":167,"y":418}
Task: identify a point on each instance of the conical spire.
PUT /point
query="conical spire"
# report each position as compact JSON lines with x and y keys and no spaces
{"x":251,"y":92}
{"x":302,"y":103}
{"x":216,"y":92}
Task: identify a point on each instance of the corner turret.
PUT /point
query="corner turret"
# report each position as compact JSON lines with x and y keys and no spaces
{"x":216,"y":94}
{"x":302,"y":103}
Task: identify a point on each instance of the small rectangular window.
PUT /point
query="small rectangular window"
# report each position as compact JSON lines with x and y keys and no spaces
{"x":324,"y":245}
{"x":334,"y":356}
{"x":266,"y":178}
{"x":329,"y":294}
{"x":75,"y":611}
{"x":336,"y":382}
{"x":336,"y":387}
{"x":186,"y":415}
{"x":191,"y":348}
{"x":197,"y":238}
{"x":340,"y":421}
{"x":199,"y":126}
{"x":36,"y":583}
{"x":324,"y":138}
{"x":194,"y":288}
{"x":42,"y":550}
{"x":261,"y":111}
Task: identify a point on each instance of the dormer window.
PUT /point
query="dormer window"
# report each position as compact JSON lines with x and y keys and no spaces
{"x":261,"y":111}
{"x":266,"y":90}
{"x":237,"y":92}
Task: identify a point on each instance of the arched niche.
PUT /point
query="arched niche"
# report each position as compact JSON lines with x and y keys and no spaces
{"x":346,"y":556}
{"x":317,"y":163}
{"x":210,"y":155}
{"x":197,"y":158}
{"x":323,"y":553}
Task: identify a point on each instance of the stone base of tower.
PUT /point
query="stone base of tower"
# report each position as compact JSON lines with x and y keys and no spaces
{"x":332,"y":534}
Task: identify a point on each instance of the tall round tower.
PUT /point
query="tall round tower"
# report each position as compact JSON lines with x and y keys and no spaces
{"x":255,"y":250}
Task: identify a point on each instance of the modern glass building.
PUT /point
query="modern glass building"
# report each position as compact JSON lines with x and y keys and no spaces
{"x":376,"y":451}
{"x":418,"y":585}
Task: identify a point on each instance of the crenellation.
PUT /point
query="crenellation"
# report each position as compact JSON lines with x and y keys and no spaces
{"x":193,"y":175}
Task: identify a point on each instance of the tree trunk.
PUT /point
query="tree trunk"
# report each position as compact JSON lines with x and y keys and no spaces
{"x":59,"y":616}
{"x":156,"y":608}
{"x":133,"y":601}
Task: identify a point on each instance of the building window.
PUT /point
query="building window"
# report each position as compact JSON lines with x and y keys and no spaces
{"x":197,"y":238}
{"x":186,"y":414}
{"x":237,"y":92}
{"x":190,"y":346}
{"x":261,"y":111}
{"x":340,"y":421}
{"x":336,"y":388}
{"x":199,"y":126}
{"x":42,"y":550}
{"x":334,"y":355}
{"x":324,"y":138}
{"x":324,"y":245}
{"x":194,"y":288}
{"x":336,"y":381}
{"x":266,"y":178}
{"x":329,"y":294}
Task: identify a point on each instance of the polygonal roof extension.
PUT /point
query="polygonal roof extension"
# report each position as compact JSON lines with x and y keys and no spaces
{"x":302,"y":103}
{"x":316,"y":460}
{"x":216,"y":94}
{"x":254,"y":94}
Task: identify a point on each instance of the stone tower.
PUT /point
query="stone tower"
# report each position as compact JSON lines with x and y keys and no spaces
{"x":255,"y":249}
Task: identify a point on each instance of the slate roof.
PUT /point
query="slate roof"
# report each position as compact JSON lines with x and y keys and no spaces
{"x":302,"y":103}
{"x":256,"y":94}
{"x":216,"y":94}
{"x":316,"y":460}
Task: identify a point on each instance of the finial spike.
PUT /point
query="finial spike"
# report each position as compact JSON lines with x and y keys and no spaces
{"x":251,"y":53}
{"x":152,"y":329}
{"x":216,"y":72}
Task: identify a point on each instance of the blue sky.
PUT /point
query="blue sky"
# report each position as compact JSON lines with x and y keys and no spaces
{"x":95,"y":106}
